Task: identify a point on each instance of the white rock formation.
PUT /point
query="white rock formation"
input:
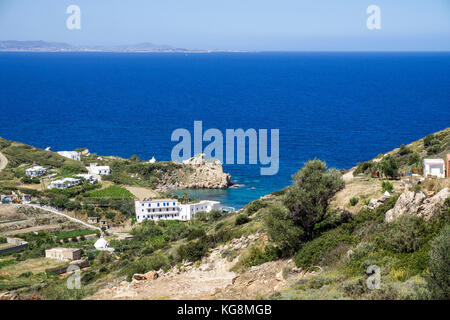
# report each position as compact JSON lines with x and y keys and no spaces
{"x":419,"y":204}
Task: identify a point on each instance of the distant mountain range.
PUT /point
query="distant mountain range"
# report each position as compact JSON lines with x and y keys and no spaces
{"x":43,"y":46}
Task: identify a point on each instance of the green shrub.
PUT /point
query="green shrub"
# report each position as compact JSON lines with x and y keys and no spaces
{"x":255,"y":206}
{"x":355,"y":287}
{"x":87,"y":277}
{"x":353,"y":201}
{"x":214,"y":215}
{"x":146,"y":229}
{"x":156,"y":262}
{"x":389,"y":166}
{"x":438,"y":278}
{"x":365,"y":167}
{"x":257,"y":256}
{"x":414,"y":159}
{"x":314,"y":252}
{"x":362,"y":250}
{"x":242,"y":219}
{"x":219,"y":226}
{"x":196,"y":233}
{"x":387,"y":186}
{"x":102,"y":258}
{"x":201,"y":216}
{"x":405,"y":234}
{"x":433,"y":149}
{"x":282,"y":231}
{"x":404,"y":150}
{"x":192,"y":251}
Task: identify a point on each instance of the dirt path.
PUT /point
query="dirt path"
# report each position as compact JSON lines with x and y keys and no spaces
{"x":349,"y":175}
{"x":52,"y":210}
{"x":3,"y":161}
{"x":212,"y":279}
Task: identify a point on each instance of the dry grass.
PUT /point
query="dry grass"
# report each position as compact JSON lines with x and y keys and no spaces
{"x":365,"y":190}
{"x":141,"y":193}
{"x":36,"y":265}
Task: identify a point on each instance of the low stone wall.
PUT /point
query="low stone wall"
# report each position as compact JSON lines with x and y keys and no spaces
{"x":58,"y":270}
{"x":17,"y":244}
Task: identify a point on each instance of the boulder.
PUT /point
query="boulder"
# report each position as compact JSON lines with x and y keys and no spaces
{"x":419,"y":204}
{"x":151,"y":275}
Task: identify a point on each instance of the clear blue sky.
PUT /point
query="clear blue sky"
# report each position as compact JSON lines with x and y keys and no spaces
{"x":234,"y":24}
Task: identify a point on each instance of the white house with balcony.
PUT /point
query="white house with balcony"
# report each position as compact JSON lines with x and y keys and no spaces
{"x":99,"y":170}
{"x":70,"y":154}
{"x":64,"y":183}
{"x":434,"y":168}
{"x":170,"y":209}
{"x":35,"y":171}
{"x":162,"y":209}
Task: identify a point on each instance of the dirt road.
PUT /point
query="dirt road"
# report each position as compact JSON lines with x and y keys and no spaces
{"x":52,"y":210}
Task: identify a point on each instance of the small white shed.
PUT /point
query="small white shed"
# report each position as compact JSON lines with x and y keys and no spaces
{"x":434,"y":167}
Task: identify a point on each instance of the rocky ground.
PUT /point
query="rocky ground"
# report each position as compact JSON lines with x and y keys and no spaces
{"x":211,"y":279}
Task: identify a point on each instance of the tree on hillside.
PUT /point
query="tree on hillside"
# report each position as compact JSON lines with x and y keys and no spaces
{"x":389,"y":166}
{"x":282,"y":231}
{"x":308,"y":198}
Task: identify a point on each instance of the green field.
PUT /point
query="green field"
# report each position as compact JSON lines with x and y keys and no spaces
{"x":115,"y":192}
{"x":74,"y":233}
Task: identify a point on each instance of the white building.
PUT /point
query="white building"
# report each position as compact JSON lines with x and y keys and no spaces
{"x":102,"y":245}
{"x":88,"y":177}
{"x":35,"y":171}
{"x":170,"y":209}
{"x":100,"y":170}
{"x":434,"y":167}
{"x":63,"y":254}
{"x":162,"y":209}
{"x":64,"y":183}
{"x":70,"y":154}
{"x":189,"y":210}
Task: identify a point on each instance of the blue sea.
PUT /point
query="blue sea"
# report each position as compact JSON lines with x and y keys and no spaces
{"x":340,"y":107}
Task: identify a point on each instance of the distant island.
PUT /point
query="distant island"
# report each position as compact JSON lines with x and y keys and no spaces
{"x":146,"y":47}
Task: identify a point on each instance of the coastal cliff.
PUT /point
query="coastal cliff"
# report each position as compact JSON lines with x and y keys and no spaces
{"x":198,"y":173}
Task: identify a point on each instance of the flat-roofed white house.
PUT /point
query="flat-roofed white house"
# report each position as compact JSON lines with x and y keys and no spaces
{"x":64,"y":183}
{"x":171,"y":209}
{"x":70,"y":154}
{"x":35,"y":171}
{"x":88,"y":177}
{"x":100,"y":170}
{"x":434,"y":168}
{"x":189,"y":210}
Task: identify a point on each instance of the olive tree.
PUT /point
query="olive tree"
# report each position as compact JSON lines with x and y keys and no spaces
{"x":309,"y":196}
